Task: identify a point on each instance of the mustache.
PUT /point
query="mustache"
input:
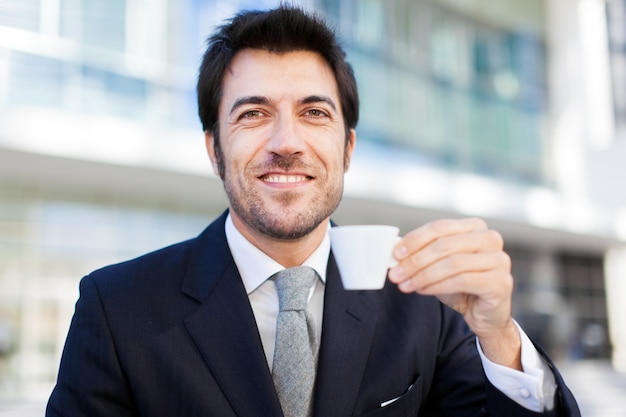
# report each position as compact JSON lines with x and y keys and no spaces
{"x":283,"y":162}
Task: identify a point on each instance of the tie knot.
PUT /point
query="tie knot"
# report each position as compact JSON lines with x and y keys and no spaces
{"x":293,"y":285}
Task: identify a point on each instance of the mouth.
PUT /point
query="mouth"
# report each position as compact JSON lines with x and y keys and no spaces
{"x":285,"y":178}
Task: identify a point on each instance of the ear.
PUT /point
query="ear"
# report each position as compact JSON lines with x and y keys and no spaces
{"x":210,"y":148}
{"x":349,"y":149}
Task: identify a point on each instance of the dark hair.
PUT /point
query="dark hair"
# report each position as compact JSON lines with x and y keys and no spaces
{"x":284,"y":29}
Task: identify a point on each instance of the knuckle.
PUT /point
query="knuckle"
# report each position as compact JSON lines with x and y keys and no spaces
{"x":414,"y":260}
{"x":439,"y":226}
{"x":510,"y":283}
{"x":442,"y":246}
{"x":428,"y":276}
{"x":495,"y":238}
{"x":453,"y":263}
{"x":477,"y":222}
{"x":505,"y":259}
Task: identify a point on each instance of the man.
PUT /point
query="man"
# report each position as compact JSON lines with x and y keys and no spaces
{"x":190,"y":330}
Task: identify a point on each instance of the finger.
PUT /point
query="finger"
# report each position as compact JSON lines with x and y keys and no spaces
{"x":487,"y":300}
{"x":474,"y":242}
{"x":452,"y":274}
{"x":422,"y":236}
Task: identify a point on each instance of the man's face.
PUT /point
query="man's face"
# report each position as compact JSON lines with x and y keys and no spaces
{"x":283,"y":142}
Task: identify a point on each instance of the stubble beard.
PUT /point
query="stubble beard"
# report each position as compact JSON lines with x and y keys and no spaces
{"x":286,"y":222}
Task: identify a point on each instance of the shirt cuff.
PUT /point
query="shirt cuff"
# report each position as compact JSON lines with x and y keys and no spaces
{"x":533,"y":388}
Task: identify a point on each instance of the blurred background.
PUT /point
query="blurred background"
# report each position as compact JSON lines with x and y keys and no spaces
{"x":511,"y":110}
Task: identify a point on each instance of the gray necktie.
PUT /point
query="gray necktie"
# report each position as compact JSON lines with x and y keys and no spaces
{"x":294,"y":353}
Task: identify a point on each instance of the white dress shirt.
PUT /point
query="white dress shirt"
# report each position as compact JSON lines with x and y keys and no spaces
{"x":533,"y":389}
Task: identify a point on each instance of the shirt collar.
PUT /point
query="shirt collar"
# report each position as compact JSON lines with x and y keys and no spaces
{"x":255,"y":267}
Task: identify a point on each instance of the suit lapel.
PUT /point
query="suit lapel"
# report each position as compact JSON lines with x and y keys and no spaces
{"x":347,"y":331}
{"x":224,"y":329}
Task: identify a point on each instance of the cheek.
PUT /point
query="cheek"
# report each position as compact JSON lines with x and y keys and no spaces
{"x":329,"y":145}
{"x":238,"y":152}
{"x":340,"y":158}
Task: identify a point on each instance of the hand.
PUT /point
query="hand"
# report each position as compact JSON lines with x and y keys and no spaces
{"x":463,"y":263}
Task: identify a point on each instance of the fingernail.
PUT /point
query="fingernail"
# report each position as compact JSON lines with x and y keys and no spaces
{"x":400,"y":251}
{"x":396,"y":273}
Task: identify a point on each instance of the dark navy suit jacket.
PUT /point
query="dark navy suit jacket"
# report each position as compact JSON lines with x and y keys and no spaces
{"x":172,"y":334}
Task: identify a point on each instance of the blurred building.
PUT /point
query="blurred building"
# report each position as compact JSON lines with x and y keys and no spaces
{"x":511,"y":110}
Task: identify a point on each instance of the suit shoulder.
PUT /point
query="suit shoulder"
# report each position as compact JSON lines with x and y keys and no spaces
{"x":164,"y":260}
{"x":165,"y":269}
{"x":168,"y":261}
{"x":158,"y":257}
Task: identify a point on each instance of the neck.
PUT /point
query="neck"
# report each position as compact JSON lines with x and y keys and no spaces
{"x":288,"y":253}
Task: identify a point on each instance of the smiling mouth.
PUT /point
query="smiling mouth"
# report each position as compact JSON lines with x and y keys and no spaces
{"x":285,"y":179}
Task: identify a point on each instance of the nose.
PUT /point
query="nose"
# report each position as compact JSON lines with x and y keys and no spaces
{"x":286,"y":138}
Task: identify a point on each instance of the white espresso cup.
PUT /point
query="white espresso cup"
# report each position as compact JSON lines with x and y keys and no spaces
{"x":363,"y":254}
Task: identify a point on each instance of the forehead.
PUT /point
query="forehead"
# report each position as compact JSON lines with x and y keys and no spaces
{"x":277,"y":76}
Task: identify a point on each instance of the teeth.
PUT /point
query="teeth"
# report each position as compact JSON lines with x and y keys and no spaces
{"x":284,"y":178}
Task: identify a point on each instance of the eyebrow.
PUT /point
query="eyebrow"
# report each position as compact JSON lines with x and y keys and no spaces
{"x":248,"y":100}
{"x":319,"y":99}
{"x":264,"y":100}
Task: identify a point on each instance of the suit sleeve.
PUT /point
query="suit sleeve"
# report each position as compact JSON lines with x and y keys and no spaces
{"x":90,"y":381}
{"x":461,"y":385}
{"x":565,"y":404}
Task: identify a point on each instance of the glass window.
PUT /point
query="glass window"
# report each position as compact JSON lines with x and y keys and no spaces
{"x":47,"y":245}
{"x":35,"y":80}
{"x":21,"y":14}
{"x":95,"y":22}
{"x":583,"y":289}
{"x":369,"y":23}
{"x":616,"y":16}
{"x":449,"y":84}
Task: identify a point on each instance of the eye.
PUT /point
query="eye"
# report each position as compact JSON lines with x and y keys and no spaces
{"x":316,"y":113}
{"x":251,"y":114}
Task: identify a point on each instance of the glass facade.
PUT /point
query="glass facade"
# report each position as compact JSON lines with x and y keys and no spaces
{"x":583,"y":288}
{"x":120,"y":58}
{"x":560,"y":301}
{"x":457,"y":91}
{"x":94,"y":23}
{"x":616,"y":23}
{"x":48,"y":241}
{"x":462,"y":93}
